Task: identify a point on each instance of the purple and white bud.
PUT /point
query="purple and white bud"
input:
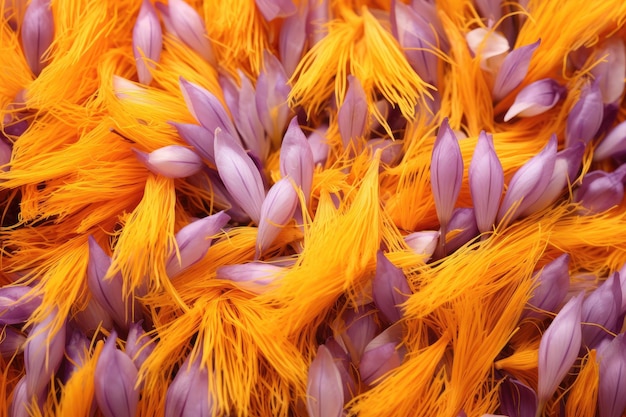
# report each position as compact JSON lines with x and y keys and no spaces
{"x":360,"y":329}
{"x":324,"y":386}
{"x":613,"y":144}
{"x":271,"y":9}
{"x":423,"y":243}
{"x":11,"y":342}
{"x":463,"y":228}
{"x":197,"y":136}
{"x":529,"y":182}
{"x":390,"y":288}
{"x":489,"y":45}
{"x":17,"y":303}
{"x":292,"y":38}
{"x":559,"y":348}
{"x":601,"y":191}
{"x":296,"y":159}
{"x":513,"y":69}
{"x":277,"y":210}
{"x":552,"y":286}
{"x":611,"y":69}
{"x":601,"y":310}
{"x":585,"y":118}
{"x":382,"y":355}
{"x":517,"y":399}
{"x":193,"y":241}
{"x":139,"y":345}
{"x":272,"y":94}
{"x":536,"y":98}
{"x":147,"y":41}
{"x":353,"y":113}
{"x":612,"y":381}
{"x":188,"y":395}
{"x":171,"y":161}
{"x":37,"y":34}
{"x":254,"y":277}
{"x":486,"y":180}
{"x":115,"y":381}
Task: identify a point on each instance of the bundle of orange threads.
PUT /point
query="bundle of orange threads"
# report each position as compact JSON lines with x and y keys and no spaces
{"x":312,"y":208}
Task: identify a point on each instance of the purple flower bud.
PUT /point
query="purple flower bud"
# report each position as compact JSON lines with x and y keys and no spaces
{"x":612,"y":381}
{"x":43,"y":353}
{"x":342,"y":362}
{"x":188,"y":395}
{"x":517,"y":400}
{"x":319,"y":145}
{"x":271,"y":9}
{"x":423,"y":243}
{"x":529,"y":182}
{"x":418,"y":40}
{"x":254,"y":276}
{"x":171,"y":161}
{"x":108,"y":291}
{"x":389,"y":288}
{"x":488,"y":45}
{"x":611,"y":69}
{"x":198,"y":137}
{"x":382,"y":355}
{"x":600,"y":191}
{"x":427,"y":10}
{"x":536,"y":98}
{"x":390,"y":150}
{"x":248,"y":122}
{"x":462,"y":227}
{"x":486,"y":180}
{"x":272,"y":93}
{"x":513,"y":70}
{"x":552,"y":285}
{"x":189,"y":27}
{"x":296,"y":158}
{"x":193,"y":242}
{"x":317,"y":20}
{"x":277,"y":210}
{"x":559,"y":348}
{"x":21,"y":404}
{"x":11,"y":342}
{"x":602,"y":307}
{"x":446,"y":173}
{"x":585,"y":118}
{"x":613,"y":144}
{"x":147,"y":41}
{"x":207,"y":109}
{"x":360,"y":330}
{"x":353,"y":114}
{"x":114,"y":380}
{"x":17,"y":303}
{"x":138,"y":344}
{"x":37,"y":34}
{"x":324,"y":386}
{"x":292,"y":38}
{"x":240,"y":175}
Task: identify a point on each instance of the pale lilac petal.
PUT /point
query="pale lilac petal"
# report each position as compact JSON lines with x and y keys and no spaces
{"x":240,"y":175}
{"x":486,"y":44}
{"x":486,"y":180}
{"x":513,"y":70}
{"x":611,"y":70}
{"x":446,"y":172}
{"x":423,"y":243}
{"x":188,"y":395}
{"x":552,"y":286}
{"x":613,"y":144}
{"x":189,"y":27}
{"x":277,"y":210}
{"x":147,"y":41}
{"x":272,"y":93}
{"x":222,"y":197}
{"x":517,"y":399}
{"x":317,"y":20}
{"x":17,"y":303}
{"x":138,"y":344}
{"x":129,"y":91}
{"x":559,"y":348}
{"x":536,"y":98}
{"x":11,"y":342}
{"x":342,"y":361}
{"x":600,"y":191}
{"x":171,"y":161}
{"x":390,"y":150}
{"x":296,"y":158}
{"x":37,"y":34}
{"x":193,"y":242}
{"x":248,"y":122}
{"x":324,"y":386}
{"x":114,"y":380}
{"x":271,"y":9}
{"x":612,"y":381}
{"x":254,"y":276}
{"x":489,"y":9}
{"x":463,"y":223}
{"x":529,"y":182}
{"x":76,"y":353}
{"x":601,"y":307}
{"x":585,"y":118}
{"x":21,"y":402}
{"x":352,"y":116}
{"x":198,"y":137}
{"x":428,"y":11}
{"x":382,"y":355}
{"x":361,"y":327}
{"x":389,"y":288}
{"x":93,"y":317}
{"x":292,"y":38}
{"x":319,"y":145}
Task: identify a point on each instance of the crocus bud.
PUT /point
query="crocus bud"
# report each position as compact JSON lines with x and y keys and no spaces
{"x":529,"y":182}
{"x":601,"y":309}
{"x":17,"y":303}
{"x":77,"y":353}
{"x":559,"y":348}
{"x":22,"y":403}
{"x":147,"y":41}
{"x":296,"y":158}
{"x":536,"y":98}
{"x":552,"y":285}
{"x":360,"y":330}
{"x":254,"y":276}
{"x":138,"y":344}
{"x":462,"y":228}
{"x":292,"y":38}
{"x":248,"y":122}
{"x":272,"y":93}
{"x":489,"y":46}
{"x":188,"y":395}
{"x":171,"y":161}
{"x":193,"y":242}
{"x":600,"y":191}
{"x":108,"y":291}
{"x":611,"y":69}
{"x":613,"y":144}
{"x":423,"y":243}
{"x":277,"y":210}
{"x":37,"y":34}
{"x":585,"y":118}
{"x":319,"y":145}
{"x":206,"y":108}
{"x":353,"y":114}
{"x":43,"y":353}
{"x":189,"y":27}
{"x":343,"y":364}
{"x":198,"y":137}
{"x":115,"y":381}
{"x":486,"y":180}
{"x":240,"y":175}
{"x":382,"y":355}
{"x":612,"y":381}
{"x":389,"y":288}
{"x":513,"y":70}
{"x":324,"y":386}
{"x":516,"y":399}
{"x":446,"y":173}
{"x":11,"y":342}
{"x":271,"y":9}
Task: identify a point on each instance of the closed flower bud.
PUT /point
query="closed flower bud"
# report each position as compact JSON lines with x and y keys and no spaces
{"x":272,"y":93}
{"x":188,"y":395}
{"x":585,"y":118}
{"x":536,"y":98}
{"x":277,"y":210}
{"x":389,"y":288}
{"x":296,"y":158}
{"x":248,"y":122}
{"x":324,"y":386}
{"x":147,"y":41}
{"x":423,"y":243}
{"x":462,"y":228}
{"x":552,"y":286}
{"x":138,"y":344}
{"x":353,"y":113}
{"x":22,"y":404}
{"x":17,"y":303}
{"x":37,"y":34}
{"x":254,"y":276}
{"x":600,"y":311}
{"x":601,"y":191}
{"x":360,"y":329}
{"x":76,"y":352}
{"x":613,"y":144}
{"x":319,"y":145}
{"x":171,"y":161}
{"x":611,"y":69}
{"x":612,"y":381}
{"x":486,"y":179}
{"x":292,"y":38}
{"x":11,"y":342}
{"x":382,"y":355}
{"x":513,"y":70}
